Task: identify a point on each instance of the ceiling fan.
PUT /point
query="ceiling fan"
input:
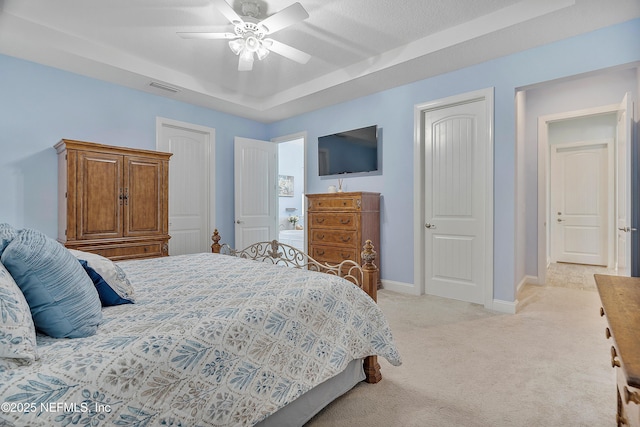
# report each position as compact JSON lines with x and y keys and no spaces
{"x":250,"y":33}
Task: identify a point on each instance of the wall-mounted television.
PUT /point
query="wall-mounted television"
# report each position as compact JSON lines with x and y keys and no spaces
{"x":352,"y":151}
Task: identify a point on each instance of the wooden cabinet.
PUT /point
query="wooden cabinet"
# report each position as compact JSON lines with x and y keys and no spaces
{"x":113,"y":200}
{"x":620,"y":298}
{"x":339,"y":224}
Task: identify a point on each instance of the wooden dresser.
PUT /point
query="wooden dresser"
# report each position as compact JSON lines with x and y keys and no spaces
{"x":620,"y":298}
{"x":113,"y":201}
{"x":339,"y":224}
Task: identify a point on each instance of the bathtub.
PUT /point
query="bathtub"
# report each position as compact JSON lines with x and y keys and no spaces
{"x":294,"y":238}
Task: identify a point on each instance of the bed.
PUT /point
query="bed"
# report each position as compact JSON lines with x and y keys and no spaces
{"x":210,"y":339}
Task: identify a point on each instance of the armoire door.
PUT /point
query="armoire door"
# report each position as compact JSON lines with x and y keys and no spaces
{"x":143,"y":196}
{"x":99,"y":196}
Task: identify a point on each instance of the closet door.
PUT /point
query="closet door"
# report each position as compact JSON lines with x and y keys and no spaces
{"x":99,"y":201}
{"x":144,"y":196}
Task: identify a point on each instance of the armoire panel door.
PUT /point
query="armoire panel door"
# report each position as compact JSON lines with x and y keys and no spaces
{"x":143,"y":195}
{"x":99,"y":193}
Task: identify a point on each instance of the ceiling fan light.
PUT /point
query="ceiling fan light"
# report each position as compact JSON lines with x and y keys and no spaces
{"x":252,"y":43}
{"x":237,"y":46}
{"x":262,"y":52}
{"x":247,"y":55}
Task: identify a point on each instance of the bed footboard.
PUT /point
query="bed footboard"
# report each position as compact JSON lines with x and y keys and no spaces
{"x":365,"y":276}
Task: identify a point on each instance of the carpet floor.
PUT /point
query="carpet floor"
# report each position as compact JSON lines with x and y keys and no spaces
{"x":547,"y":365}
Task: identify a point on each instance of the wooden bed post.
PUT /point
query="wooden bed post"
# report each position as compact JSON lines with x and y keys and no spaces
{"x":215,"y":247}
{"x":370,"y":286}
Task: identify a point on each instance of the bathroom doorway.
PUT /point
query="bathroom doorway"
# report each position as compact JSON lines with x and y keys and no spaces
{"x":291,"y":191}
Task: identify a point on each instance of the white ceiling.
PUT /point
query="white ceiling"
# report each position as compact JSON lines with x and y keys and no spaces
{"x":358,"y":47}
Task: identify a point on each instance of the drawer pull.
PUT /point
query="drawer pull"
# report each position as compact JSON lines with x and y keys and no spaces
{"x":320,"y":236}
{"x":345,"y":239}
{"x":607,"y":333}
{"x":319,"y":220}
{"x":345,"y":221}
{"x":320,"y":252}
{"x":615,"y":363}
{"x":345,"y":256}
{"x":631,"y":396}
{"x":601,"y":311}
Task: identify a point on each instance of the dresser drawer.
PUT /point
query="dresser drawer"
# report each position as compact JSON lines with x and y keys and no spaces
{"x":332,"y":255}
{"x":338,"y":237}
{"x":124,"y":251}
{"x":347,"y":202}
{"x":342,"y":220}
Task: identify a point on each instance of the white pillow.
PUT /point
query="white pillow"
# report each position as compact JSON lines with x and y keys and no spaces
{"x":110,"y":272}
{"x":17,"y":331}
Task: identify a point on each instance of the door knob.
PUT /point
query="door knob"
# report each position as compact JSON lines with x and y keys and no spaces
{"x":239,"y":222}
{"x":429,"y":225}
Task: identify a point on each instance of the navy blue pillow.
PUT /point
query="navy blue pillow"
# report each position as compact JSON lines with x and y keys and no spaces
{"x":108,"y":296}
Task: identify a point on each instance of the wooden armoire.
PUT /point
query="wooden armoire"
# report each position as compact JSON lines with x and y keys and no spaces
{"x":113,"y":201}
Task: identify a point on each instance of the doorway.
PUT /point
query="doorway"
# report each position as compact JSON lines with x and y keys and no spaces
{"x":291,"y":190}
{"x":589,"y":129}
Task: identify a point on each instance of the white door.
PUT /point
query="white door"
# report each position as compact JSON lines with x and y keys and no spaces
{"x":190,"y":184}
{"x":255,"y":173}
{"x":623,"y":187}
{"x":456,"y":138}
{"x":579,"y":203}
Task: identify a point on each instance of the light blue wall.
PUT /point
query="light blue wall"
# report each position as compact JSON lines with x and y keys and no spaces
{"x":393,"y":111}
{"x":40,"y":105}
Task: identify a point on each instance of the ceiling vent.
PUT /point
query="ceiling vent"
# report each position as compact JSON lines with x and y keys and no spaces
{"x":164,"y":87}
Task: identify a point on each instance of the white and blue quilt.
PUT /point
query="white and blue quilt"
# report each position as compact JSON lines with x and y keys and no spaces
{"x":212,"y":340}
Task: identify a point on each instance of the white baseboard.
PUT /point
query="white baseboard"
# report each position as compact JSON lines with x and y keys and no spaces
{"x":400,"y":287}
{"x":507,"y":307}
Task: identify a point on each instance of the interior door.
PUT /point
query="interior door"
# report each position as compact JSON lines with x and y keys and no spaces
{"x":579,"y":200}
{"x":190,"y":190}
{"x":255,"y":173}
{"x":623,"y":187}
{"x":455,"y":140}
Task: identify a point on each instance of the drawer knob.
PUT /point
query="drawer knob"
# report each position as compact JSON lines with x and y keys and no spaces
{"x":615,"y":363}
{"x":601,"y":311}
{"x":607,"y":333}
{"x":631,"y":396}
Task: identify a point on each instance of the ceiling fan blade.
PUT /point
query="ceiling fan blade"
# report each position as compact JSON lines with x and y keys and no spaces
{"x":287,"y":51}
{"x":245,"y":64}
{"x":208,"y":36}
{"x":227,"y":11}
{"x":286,"y":17}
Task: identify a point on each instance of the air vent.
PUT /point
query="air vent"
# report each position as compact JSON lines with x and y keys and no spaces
{"x":164,"y":87}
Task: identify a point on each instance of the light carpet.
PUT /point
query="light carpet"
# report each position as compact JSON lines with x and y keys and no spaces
{"x":547,"y":365}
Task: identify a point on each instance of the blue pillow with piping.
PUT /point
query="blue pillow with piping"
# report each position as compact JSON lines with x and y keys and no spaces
{"x":62,"y":298}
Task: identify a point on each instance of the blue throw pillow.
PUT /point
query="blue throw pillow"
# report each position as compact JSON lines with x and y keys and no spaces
{"x":62,"y":299}
{"x":7,"y":234}
{"x":108,"y":296}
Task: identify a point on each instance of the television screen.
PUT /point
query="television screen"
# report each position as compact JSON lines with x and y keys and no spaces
{"x":352,"y":151}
